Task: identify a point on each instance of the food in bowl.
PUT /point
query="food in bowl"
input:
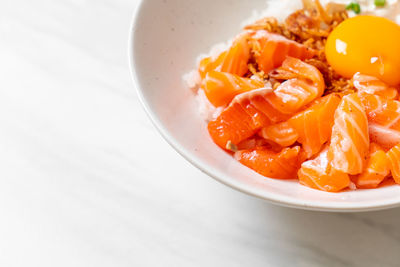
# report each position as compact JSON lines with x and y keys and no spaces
{"x":314,"y":97}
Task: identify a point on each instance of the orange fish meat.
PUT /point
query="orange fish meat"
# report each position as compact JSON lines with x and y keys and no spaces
{"x":268,"y":105}
{"x":307,"y":85}
{"x":282,"y":134}
{"x":394,"y":161}
{"x":314,"y":125}
{"x":208,"y":64}
{"x":234,"y":60}
{"x":384,"y":120}
{"x":366,"y":84}
{"x":253,"y":143}
{"x":235,"y":124}
{"x":238,"y":56}
{"x":350,"y":139}
{"x":376,"y":170}
{"x":274,"y":49}
{"x":319,"y":174}
{"x":281,"y":165}
{"x":221,"y":87}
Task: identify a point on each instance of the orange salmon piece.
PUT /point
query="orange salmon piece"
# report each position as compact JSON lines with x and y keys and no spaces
{"x":235,"y":124}
{"x":295,"y":93}
{"x":264,"y":100}
{"x":282,"y":134}
{"x":384,"y":120}
{"x":274,"y":49}
{"x":366,"y":84}
{"x":281,"y":165}
{"x":349,"y":147}
{"x":304,"y":86}
{"x":319,"y":174}
{"x":273,"y":106}
{"x":208,"y":64}
{"x":314,"y":125}
{"x":238,"y":56}
{"x":394,"y":162}
{"x":259,"y":119}
{"x":252,"y":143}
{"x":233,"y":61}
{"x":221,"y":87}
{"x":376,"y":169}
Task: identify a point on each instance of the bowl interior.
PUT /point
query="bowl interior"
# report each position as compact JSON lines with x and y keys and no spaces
{"x":166,"y":38}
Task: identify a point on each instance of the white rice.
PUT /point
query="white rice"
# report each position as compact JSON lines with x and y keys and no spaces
{"x":192,"y":79}
{"x":280,"y":10}
{"x":277,"y":9}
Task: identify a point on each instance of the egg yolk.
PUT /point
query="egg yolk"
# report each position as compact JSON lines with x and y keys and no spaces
{"x":366,"y":44}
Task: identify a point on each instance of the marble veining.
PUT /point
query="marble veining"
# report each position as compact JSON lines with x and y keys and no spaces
{"x":85,"y":179}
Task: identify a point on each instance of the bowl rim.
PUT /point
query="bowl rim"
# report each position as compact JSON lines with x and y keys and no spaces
{"x":220,"y":177}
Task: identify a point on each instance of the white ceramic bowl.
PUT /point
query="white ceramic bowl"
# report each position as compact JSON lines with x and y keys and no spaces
{"x":166,"y":37}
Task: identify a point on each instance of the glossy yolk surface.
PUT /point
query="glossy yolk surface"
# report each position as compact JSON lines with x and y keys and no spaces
{"x":366,"y":44}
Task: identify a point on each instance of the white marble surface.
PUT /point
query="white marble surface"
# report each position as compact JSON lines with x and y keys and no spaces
{"x":80,"y":184}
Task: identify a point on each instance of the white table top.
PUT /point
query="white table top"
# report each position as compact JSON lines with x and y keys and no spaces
{"x":81,"y":186}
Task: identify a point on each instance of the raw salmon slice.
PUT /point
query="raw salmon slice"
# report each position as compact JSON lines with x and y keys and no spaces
{"x":271,"y":106}
{"x":233,"y":61}
{"x":282,"y":165}
{"x":272,"y":49}
{"x":319,"y":174}
{"x":382,"y":111}
{"x":366,"y":84}
{"x":394,"y":161}
{"x":295,"y":93}
{"x":266,"y":102}
{"x":221,"y":87}
{"x":376,"y":169}
{"x":208,"y":64}
{"x":253,"y":143}
{"x":384,"y":120}
{"x":235,"y":124}
{"x":259,"y":119}
{"x":314,"y":125}
{"x":304,"y":84}
{"x":350,"y":139}
{"x":282,"y":134}
{"x":238,"y":56}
